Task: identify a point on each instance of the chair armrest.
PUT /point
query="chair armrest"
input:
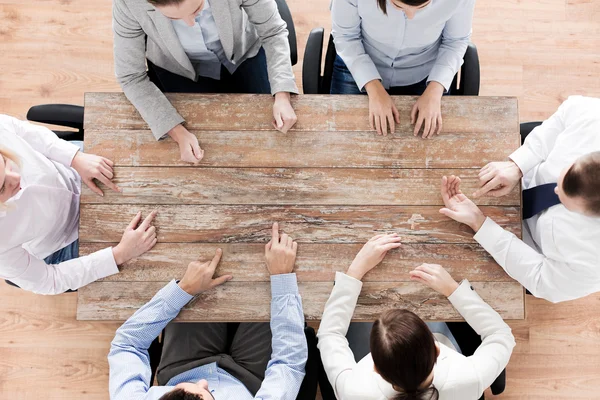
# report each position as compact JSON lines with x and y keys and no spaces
{"x":311,"y":66}
{"x":57,"y":114}
{"x":470,"y":72}
{"x":499,"y":384}
{"x":527,"y":127}
{"x":286,"y":15}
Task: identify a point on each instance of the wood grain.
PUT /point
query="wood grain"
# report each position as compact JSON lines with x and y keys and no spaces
{"x":326,"y":149}
{"x":119,"y":300}
{"x":308,"y":224}
{"x":253,"y":112}
{"x":314,"y":263}
{"x":287,"y":186}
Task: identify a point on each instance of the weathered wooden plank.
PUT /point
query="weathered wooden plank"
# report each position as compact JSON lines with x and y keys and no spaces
{"x":314,"y":263}
{"x":309,"y":224}
{"x":230,"y":302}
{"x":307,"y":149}
{"x":253,"y":112}
{"x":164,"y":185}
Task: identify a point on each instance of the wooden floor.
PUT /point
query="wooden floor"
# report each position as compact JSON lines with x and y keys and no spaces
{"x":54,"y":50}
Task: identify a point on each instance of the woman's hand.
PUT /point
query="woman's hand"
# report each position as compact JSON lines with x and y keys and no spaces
{"x":199,"y":276}
{"x":372,"y":253}
{"x":284,"y":116}
{"x":137,"y":239}
{"x":458,"y":206}
{"x":427,"y":111}
{"x":90,"y":167}
{"x":436,"y":277}
{"x":189,"y":147}
{"x":383,"y":113}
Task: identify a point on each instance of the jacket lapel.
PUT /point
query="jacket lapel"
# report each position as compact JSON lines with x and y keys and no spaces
{"x":167,"y":34}
{"x":222,"y":16}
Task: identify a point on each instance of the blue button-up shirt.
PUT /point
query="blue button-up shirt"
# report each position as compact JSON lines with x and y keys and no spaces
{"x":399,"y":51}
{"x":130,"y":365}
{"x":202,"y":44}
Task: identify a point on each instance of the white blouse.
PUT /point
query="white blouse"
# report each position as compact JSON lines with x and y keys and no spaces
{"x":43,"y":217}
{"x":454,"y":375}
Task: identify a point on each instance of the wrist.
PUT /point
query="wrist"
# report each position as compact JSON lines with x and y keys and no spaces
{"x":185,"y":287}
{"x":118,"y":255}
{"x":435,"y":88}
{"x":355,"y":273}
{"x":283,"y":96}
{"x":176,"y":132}
{"x":374,"y":87}
{"x":478,"y":223}
{"x":515,"y":165}
{"x":75,"y":159}
{"x":451,"y":289}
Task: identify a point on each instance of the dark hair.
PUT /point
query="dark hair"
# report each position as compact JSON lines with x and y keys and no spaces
{"x":583,"y":180}
{"x":404,"y":353}
{"x":383,"y":4}
{"x":165,"y":2}
{"x":180,"y":394}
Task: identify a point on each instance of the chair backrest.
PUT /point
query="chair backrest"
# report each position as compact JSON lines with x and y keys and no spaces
{"x":286,"y":15}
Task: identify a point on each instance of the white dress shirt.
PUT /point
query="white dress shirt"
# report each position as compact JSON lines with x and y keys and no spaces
{"x":454,"y":375}
{"x":559,"y":257}
{"x":43,"y":217}
{"x":399,"y":51}
{"x":202,"y":44}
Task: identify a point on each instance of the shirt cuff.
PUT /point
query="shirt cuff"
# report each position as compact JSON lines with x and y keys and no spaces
{"x":489,"y":234}
{"x":347,"y":280}
{"x":175,"y":295}
{"x":462,"y":296}
{"x":284,"y":284}
{"x":364,"y":72}
{"x":525,"y":159}
{"x":289,"y":87}
{"x":64,"y":152}
{"x":105,"y":264}
{"x":443,"y":75}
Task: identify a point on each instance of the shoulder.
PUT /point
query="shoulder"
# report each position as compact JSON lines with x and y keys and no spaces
{"x":575,"y":238}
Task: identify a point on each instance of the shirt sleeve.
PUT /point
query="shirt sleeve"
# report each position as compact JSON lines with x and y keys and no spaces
{"x":286,"y":369}
{"x":273,"y":33}
{"x":455,"y":39}
{"x":338,"y":359}
{"x":33,"y":274}
{"x":128,"y":359}
{"x":497,"y":340}
{"x":42,"y":140}
{"x":347,"y":36}
{"x":540,"y":141}
{"x":547,"y":278}
{"x":131,"y":73}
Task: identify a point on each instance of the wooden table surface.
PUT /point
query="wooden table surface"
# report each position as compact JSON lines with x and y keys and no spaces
{"x":331,"y":183}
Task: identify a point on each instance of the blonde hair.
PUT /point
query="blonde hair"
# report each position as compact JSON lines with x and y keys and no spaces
{"x":9,"y":155}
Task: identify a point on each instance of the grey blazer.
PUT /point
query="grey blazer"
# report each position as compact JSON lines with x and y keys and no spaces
{"x":244,"y":26}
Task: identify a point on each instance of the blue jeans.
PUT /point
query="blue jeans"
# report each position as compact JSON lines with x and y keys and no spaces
{"x":359,"y":333}
{"x":250,"y":77}
{"x":342,"y":82}
{"x":67,"y":253}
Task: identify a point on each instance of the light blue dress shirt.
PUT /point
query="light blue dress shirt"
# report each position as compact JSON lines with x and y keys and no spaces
{"x":130,"y":364}
{"x":202,"y":44}
{"x":399,"y":51}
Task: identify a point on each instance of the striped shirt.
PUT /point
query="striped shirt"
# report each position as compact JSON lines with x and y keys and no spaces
{"x":130,"y":364}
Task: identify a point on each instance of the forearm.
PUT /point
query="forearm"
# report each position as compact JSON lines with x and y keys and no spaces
{"x":286,"y":369}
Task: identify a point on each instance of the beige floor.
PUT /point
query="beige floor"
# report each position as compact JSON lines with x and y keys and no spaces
{"x":54,"y":50}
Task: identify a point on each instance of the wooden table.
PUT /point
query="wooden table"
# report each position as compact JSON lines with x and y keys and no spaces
{"x":331,"y":183}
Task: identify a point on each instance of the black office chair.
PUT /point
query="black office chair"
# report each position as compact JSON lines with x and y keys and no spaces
{"x":527,"y":127}
{"x":314,"y":82}
{"x":308,"y":389}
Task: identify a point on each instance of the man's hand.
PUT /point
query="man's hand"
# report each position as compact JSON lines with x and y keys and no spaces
{"x":91,"y":167}
{"x":199,"y":276}
{"x":280,"y":252}
{"x":498,"y":179}
{"x":284,"y":116}
{"x":188,"y":144}
{"x":372,"y":253}
{"x":136,"y":239}
{"x":427,"y":111}
{"x":458,"y":206}
{"x":436,"y":277}
{"x":383,"y":113}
